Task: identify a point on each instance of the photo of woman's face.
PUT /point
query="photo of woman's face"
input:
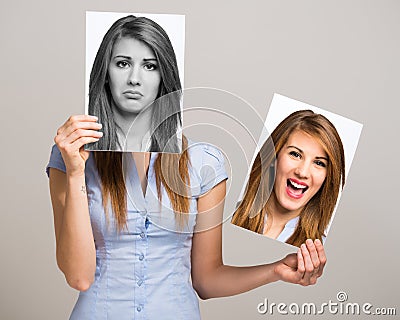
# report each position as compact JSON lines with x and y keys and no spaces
{"x":133,"y":75}
{"x":301,"y":167}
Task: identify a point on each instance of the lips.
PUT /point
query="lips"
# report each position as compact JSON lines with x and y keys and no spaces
{"x":132,"y":94}
{"x":295,"y":188}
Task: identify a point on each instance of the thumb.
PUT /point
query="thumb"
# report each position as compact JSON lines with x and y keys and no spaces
{"x":84,"y":153}
{"x":290,"y":260}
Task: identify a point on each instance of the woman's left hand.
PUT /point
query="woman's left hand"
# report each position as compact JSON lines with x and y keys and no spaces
{"x":305,"y":267}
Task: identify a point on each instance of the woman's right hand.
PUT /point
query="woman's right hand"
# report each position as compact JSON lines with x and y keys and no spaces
{"x":77,"y":131}
{"x":305,"y":267}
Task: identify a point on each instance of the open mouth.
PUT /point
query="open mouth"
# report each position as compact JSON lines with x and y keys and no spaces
{"x":296,"y":188}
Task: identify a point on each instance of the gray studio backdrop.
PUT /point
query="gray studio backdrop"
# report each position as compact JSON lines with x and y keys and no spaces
{"x":342,"y":56}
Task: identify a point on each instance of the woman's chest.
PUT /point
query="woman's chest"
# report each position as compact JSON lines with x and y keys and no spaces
{"x":149,"y":218}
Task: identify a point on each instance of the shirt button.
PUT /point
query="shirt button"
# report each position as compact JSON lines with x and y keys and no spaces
{"x":140,"y":282}
{"x":141,"y":257}
{"x":142,"y":235}
{"x":139,"y":309}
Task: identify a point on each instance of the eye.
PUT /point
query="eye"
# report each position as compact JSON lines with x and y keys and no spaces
{"x":150,"y":66}
{"x":320,"y":163}
{"x":122,"y":64}
{"x":295,"y":154}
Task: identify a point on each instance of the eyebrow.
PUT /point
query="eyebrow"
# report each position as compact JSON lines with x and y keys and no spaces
{"x":129,"y":58}
{"x":301,"y":151}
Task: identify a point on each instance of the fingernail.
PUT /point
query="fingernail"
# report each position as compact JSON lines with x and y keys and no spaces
{"x":303,"y":246}
{"x":101,"y":133}
{"x":309,"y":241}
{"x":100,"y":125}
{"x":317,"y":241}
{"x":94,"y":117}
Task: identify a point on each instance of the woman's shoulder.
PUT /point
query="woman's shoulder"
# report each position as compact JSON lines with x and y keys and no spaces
{"x":204,"y":153}
{"x":56,"y":161}
{"x":207,"y":164}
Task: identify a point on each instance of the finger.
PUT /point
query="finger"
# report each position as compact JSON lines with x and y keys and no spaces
{"x":84,"y":153}
{"x":321,"y":255}
{"x":79,"y":138}
{"x":78,"y":118}
{"x":309,"y":267}
{"x":313,"y":254}
{"x":74,"y":119}
{"x":315,"y":261}
{"x":65,"y":144}
{"x":301,"y":269}
{"x":82,"y":117}
{"x":291,"y":261}
{"x":83,"y":133}
{"x":74,"y":128}
{"x":313,"y":279}
{"x":78,"y":143}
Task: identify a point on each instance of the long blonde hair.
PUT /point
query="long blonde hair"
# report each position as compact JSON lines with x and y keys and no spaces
{"x":316,"y":214}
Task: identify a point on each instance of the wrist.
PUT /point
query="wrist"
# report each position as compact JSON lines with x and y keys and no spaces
{"x":76,"y":184}
{"x":75,"y":173}
{"x":76,"y":177}
{"x":275,"y":273}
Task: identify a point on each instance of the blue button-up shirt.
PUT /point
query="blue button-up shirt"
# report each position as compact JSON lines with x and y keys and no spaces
{"x":143,"y":272}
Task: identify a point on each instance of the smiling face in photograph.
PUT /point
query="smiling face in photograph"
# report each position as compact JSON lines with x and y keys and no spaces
{"x":301,"y":168}
{"x":133,"y":75}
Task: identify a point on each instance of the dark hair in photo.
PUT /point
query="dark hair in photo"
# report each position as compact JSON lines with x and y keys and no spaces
{"x":166,"y":118}
{"x":317,"y":213}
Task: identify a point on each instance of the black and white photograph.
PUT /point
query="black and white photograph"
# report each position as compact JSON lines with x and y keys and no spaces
{"x":134,"y":76}
{"x":298,"y":172}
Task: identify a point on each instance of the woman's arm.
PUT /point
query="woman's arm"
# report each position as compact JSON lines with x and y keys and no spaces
{"x":76,"y":256}
{"x":211,"y":278}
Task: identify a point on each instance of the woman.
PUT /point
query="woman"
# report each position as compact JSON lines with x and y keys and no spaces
{"x":126,"y":223}
{"x":135,"y":90}
{"x":294,"y":201}
{"x":113,"y":221}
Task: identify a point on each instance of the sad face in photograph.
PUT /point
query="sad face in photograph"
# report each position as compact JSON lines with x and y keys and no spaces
{"x":135,"y":89}
{"x":134,"y":76}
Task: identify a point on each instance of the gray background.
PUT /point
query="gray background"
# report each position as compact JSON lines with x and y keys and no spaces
{"x":340,"y":55}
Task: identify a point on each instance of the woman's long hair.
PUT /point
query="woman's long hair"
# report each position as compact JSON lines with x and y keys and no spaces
{"x":171,"y":169}
{"x":316,"y":214}
{"x":166,"y":117}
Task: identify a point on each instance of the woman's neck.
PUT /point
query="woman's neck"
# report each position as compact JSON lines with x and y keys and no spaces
{"x":277,"y":217}
{"x":133,"y":128}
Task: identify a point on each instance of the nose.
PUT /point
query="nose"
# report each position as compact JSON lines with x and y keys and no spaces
{"x":134,"y":76}
{"x":303,"y":170}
